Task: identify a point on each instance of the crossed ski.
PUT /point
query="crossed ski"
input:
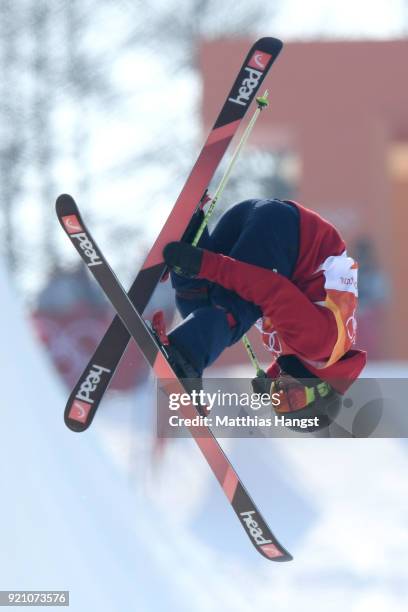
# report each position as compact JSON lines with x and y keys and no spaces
{"x":113,"y":344}
{"x":251,"y":519}
{"x":90,"y":388}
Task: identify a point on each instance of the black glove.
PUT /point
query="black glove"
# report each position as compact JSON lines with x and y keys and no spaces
{"x":184,"y":257}
{"x":261,"y":384}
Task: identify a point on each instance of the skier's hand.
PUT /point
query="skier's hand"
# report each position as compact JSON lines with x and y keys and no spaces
{"x":261,"y":384}
{"x":184,"y":257}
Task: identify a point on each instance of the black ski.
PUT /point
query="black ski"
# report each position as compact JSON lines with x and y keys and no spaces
{"x":113,"y":344}
{"x":254,"y":524}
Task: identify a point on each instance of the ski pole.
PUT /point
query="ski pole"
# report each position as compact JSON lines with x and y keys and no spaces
{"x":262,"y":102}
{"x":253,"y":358}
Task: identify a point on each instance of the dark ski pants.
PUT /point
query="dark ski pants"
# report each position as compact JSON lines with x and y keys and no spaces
{"x":264,"y":233}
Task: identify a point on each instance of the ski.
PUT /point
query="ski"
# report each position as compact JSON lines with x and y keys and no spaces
{"x":252,"y":521}
{"x":113,"y":344}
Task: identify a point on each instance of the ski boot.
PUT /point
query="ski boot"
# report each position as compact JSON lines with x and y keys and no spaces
{"x":183,"y":369}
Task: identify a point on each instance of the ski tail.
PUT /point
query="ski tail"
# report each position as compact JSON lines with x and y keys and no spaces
{"x":112,"y":346}
{"x":249,"y":516}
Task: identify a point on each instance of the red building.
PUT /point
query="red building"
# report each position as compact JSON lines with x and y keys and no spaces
{"x":342,"y":109}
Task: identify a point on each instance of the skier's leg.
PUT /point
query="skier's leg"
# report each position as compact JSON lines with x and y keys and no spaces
{"x":191,"y":293}
{"x":202,"y":336}
{"x":209,"y":328}
{"x":229,"y":227}
{"x":268,"y":238}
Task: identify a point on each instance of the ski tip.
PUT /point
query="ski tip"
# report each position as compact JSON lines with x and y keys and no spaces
{"x":274,"y":551}
{"x":74,"y":425}
{"x":78,"y":415}
{"x":287,"y":557}
{"x":64,"y":197}
{"x":269,"y":44}
{"x":64,"y":200}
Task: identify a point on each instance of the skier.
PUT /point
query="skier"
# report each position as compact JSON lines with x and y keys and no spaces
{"x":283,"y":267}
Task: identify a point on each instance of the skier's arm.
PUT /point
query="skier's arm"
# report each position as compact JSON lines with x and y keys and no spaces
{"x":310,"y":330}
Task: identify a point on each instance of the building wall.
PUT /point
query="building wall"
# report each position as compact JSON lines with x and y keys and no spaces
{"x":342,"y":108}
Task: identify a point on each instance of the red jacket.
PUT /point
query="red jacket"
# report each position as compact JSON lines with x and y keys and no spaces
{"x":312,"y":315}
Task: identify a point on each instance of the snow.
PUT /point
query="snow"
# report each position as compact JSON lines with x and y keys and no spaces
{"x":65,"y":511}
{"x":69,"y":518}
{"x":76,"y":514}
